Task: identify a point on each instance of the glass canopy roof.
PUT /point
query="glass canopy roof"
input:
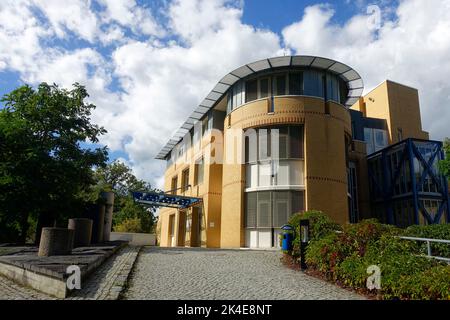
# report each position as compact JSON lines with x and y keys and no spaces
{"x":348,"y":75}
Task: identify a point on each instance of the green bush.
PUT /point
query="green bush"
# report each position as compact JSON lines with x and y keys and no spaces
{"x":129,"y":225}
{"x":344,"y":256}
{"x":432,"y":284}
{"x":324,"y":254}
{"x":352,"y":272}
{"x":320,"y":225}
{"x":433,"y":231}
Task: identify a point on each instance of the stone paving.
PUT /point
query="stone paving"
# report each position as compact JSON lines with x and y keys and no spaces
{"x":107,"y":282}
{"x":188,"y":273}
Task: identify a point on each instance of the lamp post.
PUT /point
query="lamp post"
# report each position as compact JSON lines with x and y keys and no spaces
{"x":304,"y":240}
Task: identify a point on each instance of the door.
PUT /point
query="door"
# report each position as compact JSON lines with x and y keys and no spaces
{"x":182,"y":229}
{"x":172,"y":242}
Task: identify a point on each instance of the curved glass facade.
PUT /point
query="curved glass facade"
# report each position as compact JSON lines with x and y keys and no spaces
{"x":309,"y":82}
{"x":274,"y":186}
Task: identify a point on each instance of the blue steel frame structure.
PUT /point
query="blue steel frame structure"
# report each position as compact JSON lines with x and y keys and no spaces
{"x":415,"y":165}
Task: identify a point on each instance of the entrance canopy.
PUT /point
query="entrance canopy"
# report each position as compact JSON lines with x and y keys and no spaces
{"x":161,"y":199}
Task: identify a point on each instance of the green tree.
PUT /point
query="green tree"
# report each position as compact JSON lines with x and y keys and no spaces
{"x":444,"y":165}
{"x":119,"y":178}
{"x":43,"y":165}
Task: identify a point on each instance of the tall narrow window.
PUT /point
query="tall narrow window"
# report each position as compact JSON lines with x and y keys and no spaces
{"x":185,"y":180}
{"x":251,"y":90}
{"x":174,"y":185}
{"x":264,"y":88}
{"x":250,"y":212}
{"x":295,"y":84}
{"x":279,"y":85}
{"x":199,"y":171}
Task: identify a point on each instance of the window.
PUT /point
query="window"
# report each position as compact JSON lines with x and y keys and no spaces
{"x":204,"y":125}
{"x":332,"y":88}
{"x":263,"y":88}
{"x":281,"y":142}
{"x":376,"y":139}
{"x":262,"y":170}
{"x":251,"y":90}
{"x":313,"y":83}
{"x":279,"y":85}
{"x":174,"y":185}
{"x":185,"y":180}
{"x":250,"y":213}
{"x":199,"y":171}
{"x":295,"y":84}
{"x":271,"y":209}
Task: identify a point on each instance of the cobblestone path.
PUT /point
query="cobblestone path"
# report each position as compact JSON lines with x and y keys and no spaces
{"x":187,"y":273}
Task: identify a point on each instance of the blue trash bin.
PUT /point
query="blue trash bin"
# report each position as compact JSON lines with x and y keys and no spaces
{"x":286,"y":243}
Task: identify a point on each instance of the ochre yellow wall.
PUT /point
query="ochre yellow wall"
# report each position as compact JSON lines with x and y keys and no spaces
{"x":326,"y":170}
{"x":399,"y":105}
{"x":325,"y":174}
{"x":209,"y":191}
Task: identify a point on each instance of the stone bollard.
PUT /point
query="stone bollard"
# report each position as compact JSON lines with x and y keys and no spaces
{"x":55,"y":241}
{"x":82,"y":231}
{"x":98,"y":217}
{"x":109,"y":206}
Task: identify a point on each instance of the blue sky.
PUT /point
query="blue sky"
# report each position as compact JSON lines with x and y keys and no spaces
{"x":148,"y":64}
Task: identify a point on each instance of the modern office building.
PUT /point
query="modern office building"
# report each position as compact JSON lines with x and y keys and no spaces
{"x":287,"y":134}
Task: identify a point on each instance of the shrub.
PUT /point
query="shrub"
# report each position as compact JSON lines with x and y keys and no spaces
{"x":129,"y":225}
{"x":345,"y":256}
{"x":431,"y":284}
{"x":320,"y":225}
{"x":352,"y":271}
{"x":433,"y":231}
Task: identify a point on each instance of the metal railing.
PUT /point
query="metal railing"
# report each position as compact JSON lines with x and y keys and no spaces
{"x":429,"y":241}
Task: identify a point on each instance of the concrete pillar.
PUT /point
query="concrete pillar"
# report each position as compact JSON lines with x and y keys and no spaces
{"x":109,"y":206}
{"x":82,"y":231}
{"x":56,"y":241}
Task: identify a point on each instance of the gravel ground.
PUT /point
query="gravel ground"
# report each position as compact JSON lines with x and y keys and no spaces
{"x":188,"y":273}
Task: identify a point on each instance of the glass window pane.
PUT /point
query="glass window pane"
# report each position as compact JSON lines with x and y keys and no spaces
{"x":251,"y":90}
{"x":265,"y":174}
{"x":297,"y":198}
{"x":281,"y":208}
{"x":295,"y":84}
{"x":250,"y":212}
{"x":251,"y":176}
{"x":296,"y":173}
{"x":295,"y":142}
{"x":313,"y":83}
{"x":263,"y":144}
{"x":251,"y":148}
{"x":282,"y":173}
{"x":199,"y":171}
{"x":264,"y":210}
{"x":368,"y":138}
{"x":264,"y":87}
{"x":279,"y":85}
{"x":283,"y":142}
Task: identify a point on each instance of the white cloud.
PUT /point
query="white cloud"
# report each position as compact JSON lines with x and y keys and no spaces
{"x":157,"y":82}
{"x":413,"y":49}
{"x":128,"y":14}
{"x":73,"y":15}
{"x":164,"y":83}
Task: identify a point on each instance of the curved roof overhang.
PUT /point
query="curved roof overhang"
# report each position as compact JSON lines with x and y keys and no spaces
{"x":351,"y":78}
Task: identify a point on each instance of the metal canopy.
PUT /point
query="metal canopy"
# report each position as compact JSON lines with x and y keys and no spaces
{"x":347,"y":74}
{"x":160,"y":199}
